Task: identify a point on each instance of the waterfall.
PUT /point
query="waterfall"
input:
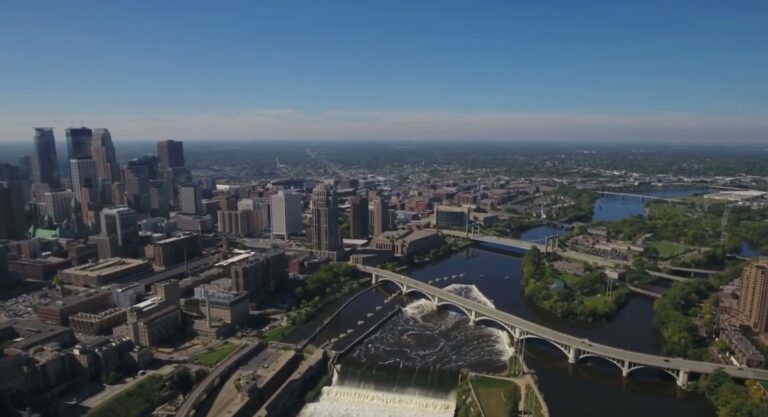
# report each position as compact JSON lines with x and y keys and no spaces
{"x":342,"y":401}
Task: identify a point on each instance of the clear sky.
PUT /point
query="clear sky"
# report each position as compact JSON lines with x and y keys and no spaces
{"x":672,"y":70}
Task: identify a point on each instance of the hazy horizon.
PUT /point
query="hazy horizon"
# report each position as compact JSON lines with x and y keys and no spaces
{"x":647,"y":72}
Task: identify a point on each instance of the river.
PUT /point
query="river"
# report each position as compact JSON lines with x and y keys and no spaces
{"x":613,"y":208}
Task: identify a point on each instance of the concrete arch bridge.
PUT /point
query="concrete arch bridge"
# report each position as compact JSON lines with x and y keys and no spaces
{"x":574,"y":348}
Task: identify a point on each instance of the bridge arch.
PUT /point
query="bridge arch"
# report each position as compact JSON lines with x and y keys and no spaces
{"x":605,"y":358}
{"x":555,"y":344}
{"x":670,"y":372}
{"x":464,"y":310}
{"x":488,"y":319}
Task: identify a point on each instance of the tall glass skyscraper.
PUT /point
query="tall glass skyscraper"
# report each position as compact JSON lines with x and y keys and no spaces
{"x":326,"y":236}
{"x":103,"y":152}
{"x":45,"y":164}
{"x":79,"y":143}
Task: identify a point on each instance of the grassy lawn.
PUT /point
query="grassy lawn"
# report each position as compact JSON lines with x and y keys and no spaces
{"x":533,"y":400}
{"x":136,"y":401}
{"x":278,"y":333}
{"x":669,"y":249}
{"x":570,"y":279}
{"x":212,"y":357}
{"x":497,"y":396}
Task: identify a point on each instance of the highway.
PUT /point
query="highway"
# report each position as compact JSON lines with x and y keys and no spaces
{"x":584,"y":346}
{"x":198,"y":393}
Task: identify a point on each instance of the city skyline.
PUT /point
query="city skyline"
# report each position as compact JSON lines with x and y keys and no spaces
{"x":651,"y":72}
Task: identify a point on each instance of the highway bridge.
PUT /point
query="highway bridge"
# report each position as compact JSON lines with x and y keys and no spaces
{"x":573,"y":347}
{"x":691,"y":270}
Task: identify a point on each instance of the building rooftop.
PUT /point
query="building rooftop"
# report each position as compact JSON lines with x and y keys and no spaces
{"x":148,"y":304}
{"x":30,"y":333}
{"x":105,"y":266}
{"x":72,"y":299}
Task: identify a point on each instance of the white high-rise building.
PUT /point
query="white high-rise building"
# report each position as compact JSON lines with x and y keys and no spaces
{"x":84,"y":175}
{"x":286,"y":213}
{"x":190,"y":199}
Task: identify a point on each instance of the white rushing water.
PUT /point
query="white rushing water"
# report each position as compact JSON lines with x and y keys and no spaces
{"x":339,"y":401}
{"x":421,"y":336}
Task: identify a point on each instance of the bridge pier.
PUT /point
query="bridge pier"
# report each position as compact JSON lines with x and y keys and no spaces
{"x":472,"y":318}
{"x":374,"y":279}
{"x":573,"y":355}
{"x":625,"y":365}
{"x":682,"y":378}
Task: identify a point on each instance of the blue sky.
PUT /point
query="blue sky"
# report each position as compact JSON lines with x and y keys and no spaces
{"x":504,"y":70}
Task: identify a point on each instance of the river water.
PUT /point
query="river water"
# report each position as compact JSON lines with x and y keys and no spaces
{"x":613,"y":208}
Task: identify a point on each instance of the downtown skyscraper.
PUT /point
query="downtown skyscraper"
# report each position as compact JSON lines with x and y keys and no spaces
{"x":326,"y":235}
{"x":79,"y":141}
{"x":103,"y":152}
{"x":45,"y":163}
{"x":171,"y":154}
{"x":285,"y":213}
{"x":358,"y":218}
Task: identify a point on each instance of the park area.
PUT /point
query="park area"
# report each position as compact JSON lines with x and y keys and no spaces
{"x":214,"y":356}
{"x":668,"y":250}
{"x":498,"y":397}
{"x":135,"y":401}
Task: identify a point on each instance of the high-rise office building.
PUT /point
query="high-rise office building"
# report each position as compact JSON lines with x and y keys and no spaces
{"x":103,"y":152}
{"x":119,"y":232}
{"x":380,"y":215}
{"x":256,"y":213}
{"x":171,"y":153}
{"x":753,"y":301}
{"x":45,"y":164}
{"x":285,"y":213}
{"x":136,"y":180}
{"x":57,"y":205}
{"x":159,"y":197}
{"x":358,"y":218}
{"x":84,"y":176}
{"x":190,"y":199}
{"x":326,"y":236}
{"x":79,"y":141}
{"x":25,"y":167}
{"x":13,"y":216}
{"x":232,"y":222}
{"x":152,"y":163}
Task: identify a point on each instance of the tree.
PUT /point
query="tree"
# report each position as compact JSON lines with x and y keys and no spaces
{"x":199,"y":375}
{"x":112,"y":378}
{"x":651,"y":253}
{"x":58,"y":283}
{"x":182,"y":381}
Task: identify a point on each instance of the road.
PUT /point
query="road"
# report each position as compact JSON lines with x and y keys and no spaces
{"x":583,"y":345}
{"x":194,"y":398}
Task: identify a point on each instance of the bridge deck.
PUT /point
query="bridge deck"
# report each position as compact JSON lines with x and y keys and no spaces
{"x":584,"y":345}
{"x":694,"y":270}
{"x":667,"y":276}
